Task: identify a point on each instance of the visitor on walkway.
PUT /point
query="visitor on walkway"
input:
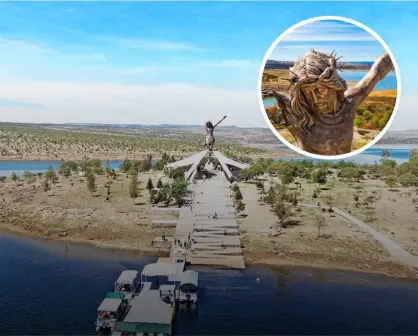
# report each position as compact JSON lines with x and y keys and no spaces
{"x":163,"y":236}
{"x":215,"y":216}
{"x":225,"y":233}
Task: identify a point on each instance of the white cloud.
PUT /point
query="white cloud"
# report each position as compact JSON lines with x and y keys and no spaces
{"x":329,"y":31}
{"x":117,"y":103}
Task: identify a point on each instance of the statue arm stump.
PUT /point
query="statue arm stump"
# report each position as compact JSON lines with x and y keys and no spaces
{"x":379,"y":70}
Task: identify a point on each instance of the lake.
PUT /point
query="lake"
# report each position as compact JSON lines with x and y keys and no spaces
{"x":399,"y":153}
{"x":387,"y":83}
{"x":8,"y":167}
{"x":47,"y":291}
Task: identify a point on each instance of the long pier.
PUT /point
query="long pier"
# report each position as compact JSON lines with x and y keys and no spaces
{"x":214,"y":240}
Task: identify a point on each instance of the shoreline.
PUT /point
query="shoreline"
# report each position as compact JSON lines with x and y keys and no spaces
{"x":270,"y":260}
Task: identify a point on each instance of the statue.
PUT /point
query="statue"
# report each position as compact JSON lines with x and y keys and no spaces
{"x":210,"y":138}
{"x":319,"y":112}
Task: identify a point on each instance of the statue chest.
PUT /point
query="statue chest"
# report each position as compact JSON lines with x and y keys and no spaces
{"x":331,"y":135}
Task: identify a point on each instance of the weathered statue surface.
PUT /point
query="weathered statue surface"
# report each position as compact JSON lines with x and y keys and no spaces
{"x":319,"y":111}
{"x":210,"y":138}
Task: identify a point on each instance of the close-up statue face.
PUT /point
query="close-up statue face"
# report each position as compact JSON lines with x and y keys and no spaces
{"x":322,"y":100}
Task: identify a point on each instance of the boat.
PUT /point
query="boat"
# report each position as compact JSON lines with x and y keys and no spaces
{"x":189,"y":287}
{"x":109,"y":311}
{"x":127,"y":283}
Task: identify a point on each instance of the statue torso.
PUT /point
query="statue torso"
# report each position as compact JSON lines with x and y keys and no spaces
{"x":330,"y":135}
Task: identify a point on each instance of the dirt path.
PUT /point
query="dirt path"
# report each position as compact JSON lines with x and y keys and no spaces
{"x":395,"y":250}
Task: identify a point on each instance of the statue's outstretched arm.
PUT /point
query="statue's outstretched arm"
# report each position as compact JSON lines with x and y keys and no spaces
{"x":379,"y":70}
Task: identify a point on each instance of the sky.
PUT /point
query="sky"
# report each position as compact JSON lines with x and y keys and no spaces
{"x":165,"y":62}
{"x":348,"y":40}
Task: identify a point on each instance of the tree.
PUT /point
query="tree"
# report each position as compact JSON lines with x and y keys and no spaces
{"x":358,"y":123}
{"x":125,"y":166}
{"x":14,"y":177}
{"x":133,"y":187}
{"x":175,"y":173}
{"x":159,"y":184}
{"x":385,"y":154}
{"x":408,"y":180}
{"x":282,"y":210}
{"x":238,"y":195}
{"x":287,"y":179}
{"x":91,"y":182}
{"x":45,"y":185}
{"x":391,"y":181}
{"x":178,"y":191}
{"x":3,"y":179}
{"x":413,"y":154}
{"x":150,"y":185}
{"x":319,"y":222}
{"x":39,"y":174}
{"x":240,"y":206}
{"x":50,"y":173}
{"x":107,"y":185}
{"x":320,"y":175}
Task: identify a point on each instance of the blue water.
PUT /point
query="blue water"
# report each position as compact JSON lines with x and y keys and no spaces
{"x":8,"y":167}
{"x":387,"y":83}
{"x":399,"y":153}
{"x":47,"y":291}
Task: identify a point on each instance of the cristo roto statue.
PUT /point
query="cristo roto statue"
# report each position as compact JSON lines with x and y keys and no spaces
{"x":210,"y":138}
{"x":319,"y":111}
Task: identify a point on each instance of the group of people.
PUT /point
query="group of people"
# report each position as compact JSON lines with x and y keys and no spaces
{"x":187,"y":245}
{"x":215,"y":216}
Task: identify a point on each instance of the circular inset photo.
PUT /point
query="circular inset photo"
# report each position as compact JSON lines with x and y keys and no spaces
{"x":329,"y":87}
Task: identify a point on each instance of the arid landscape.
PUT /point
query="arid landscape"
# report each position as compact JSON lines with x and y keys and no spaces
{"x":106,"y":211}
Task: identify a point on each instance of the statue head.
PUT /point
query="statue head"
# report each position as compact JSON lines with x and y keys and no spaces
{"x":209,"y":124}
{"x":317,"y":88}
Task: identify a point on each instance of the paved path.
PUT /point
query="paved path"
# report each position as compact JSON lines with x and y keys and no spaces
{"x":216,"y":241}
{"x":396,"y":251}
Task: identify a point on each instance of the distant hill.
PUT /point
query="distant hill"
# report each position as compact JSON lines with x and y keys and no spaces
{"x":272,"y":64}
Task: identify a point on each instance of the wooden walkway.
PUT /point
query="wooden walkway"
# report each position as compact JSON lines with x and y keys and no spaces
{"x":215,"y":242}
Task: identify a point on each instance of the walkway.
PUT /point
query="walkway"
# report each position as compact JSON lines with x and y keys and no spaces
{"x":396,"y":251}
{"x":215,"y":241}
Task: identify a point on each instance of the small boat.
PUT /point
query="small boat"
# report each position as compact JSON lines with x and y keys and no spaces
{"x":127,"y":283}
{"x":109,"y":312}
{"x":189,"y":287}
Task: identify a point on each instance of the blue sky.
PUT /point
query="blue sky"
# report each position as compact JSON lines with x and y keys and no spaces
{"x":165,"y":62}
{"x":348,"y":40}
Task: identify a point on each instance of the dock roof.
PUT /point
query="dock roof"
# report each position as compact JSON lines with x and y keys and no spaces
{"x":189,"y":277}
{"x":127,"y":277}
{"x":110,"y":305}
{"x":147,"y":307}
{"x":159,"y":269}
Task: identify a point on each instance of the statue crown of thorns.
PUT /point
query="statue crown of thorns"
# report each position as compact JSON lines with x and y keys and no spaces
{"x":319,"y":111}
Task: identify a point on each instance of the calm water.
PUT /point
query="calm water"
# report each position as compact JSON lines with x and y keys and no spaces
{"x":399,"y":153}
{"x":45,"y":291}
{"x":8,"y":167}
{"x":389,"y":82}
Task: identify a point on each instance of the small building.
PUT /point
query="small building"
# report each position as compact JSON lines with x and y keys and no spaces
{"x":127,"y":283}
{"x":148,"y":315}
{"x":189,"y":286}
{"x":109,"y":311}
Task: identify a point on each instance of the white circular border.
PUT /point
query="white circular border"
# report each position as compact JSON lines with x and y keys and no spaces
{"x":398,"y":87}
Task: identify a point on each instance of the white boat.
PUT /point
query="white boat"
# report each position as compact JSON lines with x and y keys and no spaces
{"x":188,"y":287}
{"x":127,"y":283}
{"x":109,"y":311}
